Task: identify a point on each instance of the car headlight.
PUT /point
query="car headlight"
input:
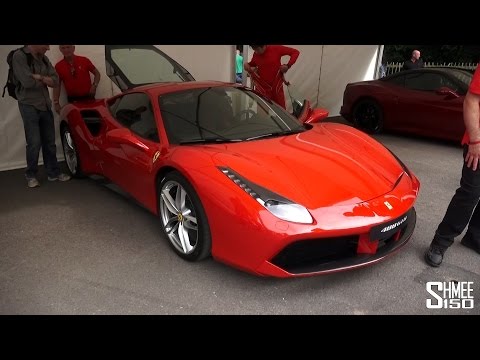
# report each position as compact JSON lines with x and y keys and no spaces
{"x":278,"y":205}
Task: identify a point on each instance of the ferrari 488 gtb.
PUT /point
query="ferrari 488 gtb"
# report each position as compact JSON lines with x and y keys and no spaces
{"x":234,"y":176}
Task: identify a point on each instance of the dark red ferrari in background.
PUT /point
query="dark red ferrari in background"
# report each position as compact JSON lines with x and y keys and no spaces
{"x":426,"y":102}
{"x":234,"y":176}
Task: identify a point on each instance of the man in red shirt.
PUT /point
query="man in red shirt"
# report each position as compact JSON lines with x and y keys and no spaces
{"x":74,"y":71}
{"x":266,"y":62}
{"x":463,"y":209}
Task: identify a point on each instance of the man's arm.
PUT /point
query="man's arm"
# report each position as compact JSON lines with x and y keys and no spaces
{"x":249,"y":66}
{"x":57,"y":90}
{"x":56,"y":93}
{"x":96,"y":80}
{"x":22,"y":71}
{"x":56,"y":97}
{"x":51,"y":80}
{"x":293,"y":53}
{"x":96,"y":76}
{"x":471,"y":118}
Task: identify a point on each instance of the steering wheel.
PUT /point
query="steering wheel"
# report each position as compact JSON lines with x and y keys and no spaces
{"x":249,"y":113}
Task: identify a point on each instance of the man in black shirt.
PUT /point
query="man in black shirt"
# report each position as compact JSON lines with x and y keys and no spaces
{"x":415,"y":62}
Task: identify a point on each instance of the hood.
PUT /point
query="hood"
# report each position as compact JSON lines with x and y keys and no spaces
{"x":331,"y":164}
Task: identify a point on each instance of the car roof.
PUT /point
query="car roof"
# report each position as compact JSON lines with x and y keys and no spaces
{"x":444,"y":69}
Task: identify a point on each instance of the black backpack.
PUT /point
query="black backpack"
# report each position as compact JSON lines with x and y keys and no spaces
{"x":12,"y":82}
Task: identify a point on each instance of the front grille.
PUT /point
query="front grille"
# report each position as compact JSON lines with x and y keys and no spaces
{"x":306,"y":253}
{"x":395,"y":236}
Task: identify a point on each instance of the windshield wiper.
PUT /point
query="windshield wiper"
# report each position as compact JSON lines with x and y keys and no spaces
{"x":208,"y":141}
{"x":279,"y":133}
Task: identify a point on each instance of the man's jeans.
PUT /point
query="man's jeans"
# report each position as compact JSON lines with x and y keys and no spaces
{"x":39,"y":133}
{"x":459,"y":212}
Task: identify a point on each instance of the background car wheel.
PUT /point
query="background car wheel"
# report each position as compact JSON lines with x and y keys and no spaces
{"x":368,"y":116}
{"x":71,"y":155}
{"x":183,"y":218}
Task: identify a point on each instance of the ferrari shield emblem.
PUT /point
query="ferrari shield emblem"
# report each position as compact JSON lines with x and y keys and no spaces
{"x":387,"y":204}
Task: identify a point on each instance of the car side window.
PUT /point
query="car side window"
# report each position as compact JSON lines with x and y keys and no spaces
{"x":397,"y":80}
{"x":135,"y":112}
{"x":113,"y":104}
{"x":450,"y":84}
{"x":424,"y":81}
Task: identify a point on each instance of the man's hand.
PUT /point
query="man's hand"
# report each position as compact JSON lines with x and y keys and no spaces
{"x":57,"y":108}
{"x":284,"y":68}
{"x":37,"y":77}
{"x":249,"y":69}
{"x":473,"y":156}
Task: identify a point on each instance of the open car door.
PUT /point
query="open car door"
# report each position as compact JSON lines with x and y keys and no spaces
{"x":129,"y":66}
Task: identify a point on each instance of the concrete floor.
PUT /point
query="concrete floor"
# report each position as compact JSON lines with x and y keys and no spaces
{"x":81,"y":248}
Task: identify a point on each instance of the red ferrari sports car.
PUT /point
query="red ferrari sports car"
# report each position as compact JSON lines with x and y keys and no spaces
{"x":426,"y":102}
{"x":234,"y":176}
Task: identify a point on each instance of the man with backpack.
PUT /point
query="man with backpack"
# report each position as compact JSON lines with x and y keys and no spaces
{"x":33,"y":74}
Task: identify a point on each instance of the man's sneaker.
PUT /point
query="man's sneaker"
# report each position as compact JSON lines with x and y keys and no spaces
{"x":468,"y":242}
{"x":60,"y":177}
{"x":434,"y":255}
{"x":32,"y":182}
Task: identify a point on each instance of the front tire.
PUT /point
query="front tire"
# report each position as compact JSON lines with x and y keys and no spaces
{"x":70,"y":152}
{"x":368,"y":116}
{"x":183,"y":218}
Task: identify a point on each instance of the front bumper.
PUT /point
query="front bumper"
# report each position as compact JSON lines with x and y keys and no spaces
{"x":326,"y":255}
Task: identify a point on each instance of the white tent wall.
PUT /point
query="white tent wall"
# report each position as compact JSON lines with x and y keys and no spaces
{"x":205,"y":62}
{"x":343,"y":64}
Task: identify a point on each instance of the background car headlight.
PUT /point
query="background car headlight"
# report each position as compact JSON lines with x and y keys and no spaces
{"x":278,"y":205}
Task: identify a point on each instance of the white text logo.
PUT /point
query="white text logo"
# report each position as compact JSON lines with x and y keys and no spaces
{"x":450,"y":295}
{"x":394,"y":225}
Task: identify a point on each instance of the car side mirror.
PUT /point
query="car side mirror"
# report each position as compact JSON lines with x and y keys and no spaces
{"x":311,"y":116}
{"x":446,"y":91}
{"x":316,"y":115}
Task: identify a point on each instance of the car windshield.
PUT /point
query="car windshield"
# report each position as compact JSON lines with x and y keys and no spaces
{"x":223,"y":114}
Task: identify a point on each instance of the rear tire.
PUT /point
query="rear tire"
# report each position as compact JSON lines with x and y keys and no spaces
{"x":368,"y":116}
{"x":71,"y":154}
{"x":183,"y":218}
